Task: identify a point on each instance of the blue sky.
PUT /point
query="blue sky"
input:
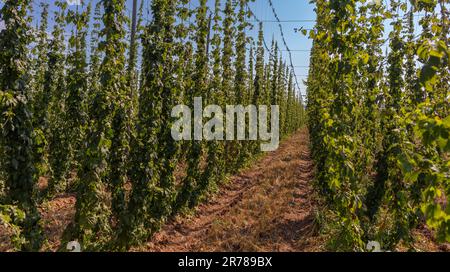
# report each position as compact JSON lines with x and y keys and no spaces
{"x":287,"y":10}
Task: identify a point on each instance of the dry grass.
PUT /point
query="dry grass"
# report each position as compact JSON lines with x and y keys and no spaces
{"x":269,"y":206}
{"x":265,"y":208}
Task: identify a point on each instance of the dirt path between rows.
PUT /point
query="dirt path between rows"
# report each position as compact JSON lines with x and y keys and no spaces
{"x":268,"y":207}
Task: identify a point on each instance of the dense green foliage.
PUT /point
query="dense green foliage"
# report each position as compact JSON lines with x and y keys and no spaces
{"x":17,"y":129}
{"x":380,"y":124}
{"x":91,"y":114}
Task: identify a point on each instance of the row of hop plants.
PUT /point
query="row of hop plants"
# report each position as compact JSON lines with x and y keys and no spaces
{"x":88,"y":108}
{"x":379,"y":121}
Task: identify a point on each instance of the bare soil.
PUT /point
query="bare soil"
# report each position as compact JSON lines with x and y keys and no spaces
{"x":268,"y":207}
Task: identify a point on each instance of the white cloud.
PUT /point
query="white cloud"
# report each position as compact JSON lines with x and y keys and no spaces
{"x":2,"y":25}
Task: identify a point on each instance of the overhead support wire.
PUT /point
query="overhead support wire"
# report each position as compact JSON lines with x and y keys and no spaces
{"x":285,"y":44}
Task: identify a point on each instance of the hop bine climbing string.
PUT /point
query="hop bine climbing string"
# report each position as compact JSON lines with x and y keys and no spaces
{"x":87,"y":112}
